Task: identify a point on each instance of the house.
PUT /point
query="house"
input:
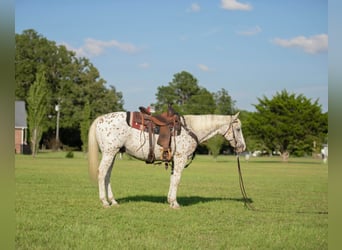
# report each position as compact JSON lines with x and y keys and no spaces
{"x":21,"y":145}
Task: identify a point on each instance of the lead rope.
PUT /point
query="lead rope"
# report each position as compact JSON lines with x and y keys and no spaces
{"x":247,"y":201}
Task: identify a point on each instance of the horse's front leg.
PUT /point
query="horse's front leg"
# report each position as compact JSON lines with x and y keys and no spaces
{"x":178,"y":164}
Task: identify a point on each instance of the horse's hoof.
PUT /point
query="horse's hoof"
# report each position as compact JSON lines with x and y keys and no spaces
{"x":175,"y":206}
{"x":114,"y":205}
{"x":106,"y":206}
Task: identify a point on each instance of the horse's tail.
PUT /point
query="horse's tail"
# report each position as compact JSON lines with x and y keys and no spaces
{"x":93,"y":153}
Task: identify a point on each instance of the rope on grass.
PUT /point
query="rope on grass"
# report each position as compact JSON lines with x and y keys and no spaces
{"x":247,"y":201}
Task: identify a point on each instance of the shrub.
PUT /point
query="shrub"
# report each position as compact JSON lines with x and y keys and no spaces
{"x":70,"y":154}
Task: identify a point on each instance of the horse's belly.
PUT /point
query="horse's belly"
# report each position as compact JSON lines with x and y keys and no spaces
{"x":138,"y":145}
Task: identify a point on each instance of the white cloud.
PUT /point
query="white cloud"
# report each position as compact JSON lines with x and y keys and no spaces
{"x":93,"y":47}
{"x":195,"y":7}
{"x":79,"y":52}
{"x":235,"y":5}
{"x":312,"y":45}
{"x":203,"y":67}
{"x":250,"y":32}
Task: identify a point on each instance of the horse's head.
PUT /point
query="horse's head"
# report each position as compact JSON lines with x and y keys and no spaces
{"x":234,"y":134}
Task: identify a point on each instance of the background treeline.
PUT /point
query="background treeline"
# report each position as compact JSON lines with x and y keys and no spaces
{"x":50,"y":73}
{"x":72,"y":82}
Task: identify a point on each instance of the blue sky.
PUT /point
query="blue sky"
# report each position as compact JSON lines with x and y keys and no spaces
{"x":250,"y":48}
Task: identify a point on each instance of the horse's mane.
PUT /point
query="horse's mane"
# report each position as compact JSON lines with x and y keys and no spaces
{"x":205,"y":122}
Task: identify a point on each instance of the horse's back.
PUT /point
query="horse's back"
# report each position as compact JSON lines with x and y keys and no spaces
{"x":110,"y":120}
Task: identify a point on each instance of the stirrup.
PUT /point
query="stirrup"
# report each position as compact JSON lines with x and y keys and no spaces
{"x":150,"y":158}
{"x":166,"y":155}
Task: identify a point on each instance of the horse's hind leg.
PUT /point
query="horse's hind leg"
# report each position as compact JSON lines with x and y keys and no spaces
{"x":110,"y":194}
{"x":105,"y":169}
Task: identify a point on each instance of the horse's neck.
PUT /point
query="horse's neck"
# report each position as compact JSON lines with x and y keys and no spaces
{"x":207,"y":126}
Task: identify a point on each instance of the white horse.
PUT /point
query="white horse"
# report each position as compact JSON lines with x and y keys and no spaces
{"x":111,"y":132}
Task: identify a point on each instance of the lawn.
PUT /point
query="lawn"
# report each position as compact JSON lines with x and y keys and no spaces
{"x":57,"y":206}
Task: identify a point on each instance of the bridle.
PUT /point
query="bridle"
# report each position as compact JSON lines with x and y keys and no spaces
{"x":231,"y":127}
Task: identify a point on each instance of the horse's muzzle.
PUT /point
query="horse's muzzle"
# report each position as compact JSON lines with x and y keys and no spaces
{"x":240,"y":147}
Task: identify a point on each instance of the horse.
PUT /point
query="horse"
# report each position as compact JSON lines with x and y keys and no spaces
{"x":111,"y":132}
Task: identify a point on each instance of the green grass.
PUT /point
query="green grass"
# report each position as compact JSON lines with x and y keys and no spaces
{"x":57,"y":207}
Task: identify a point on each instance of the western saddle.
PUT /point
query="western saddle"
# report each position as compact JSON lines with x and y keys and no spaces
{"x":168,"y":124}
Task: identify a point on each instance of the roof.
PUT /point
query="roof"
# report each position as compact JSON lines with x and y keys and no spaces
{"x":20,"y":114}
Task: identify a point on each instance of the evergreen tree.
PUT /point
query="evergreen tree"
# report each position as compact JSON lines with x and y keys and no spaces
{"x":288,"y":123}
{"x":37,"y":110}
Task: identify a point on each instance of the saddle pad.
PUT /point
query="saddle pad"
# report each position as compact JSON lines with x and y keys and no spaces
{"x":134,"y":120}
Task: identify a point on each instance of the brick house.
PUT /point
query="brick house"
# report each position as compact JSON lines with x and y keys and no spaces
{"x":21,"y":145}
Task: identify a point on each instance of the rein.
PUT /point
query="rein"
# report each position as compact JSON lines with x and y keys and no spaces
{"x":185,"y":126}
{"x":247,"y":201}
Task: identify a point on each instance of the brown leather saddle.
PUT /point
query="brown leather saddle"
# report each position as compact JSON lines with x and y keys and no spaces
{"x":166,"y":124}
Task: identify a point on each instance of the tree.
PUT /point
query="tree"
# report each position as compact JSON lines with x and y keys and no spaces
{"x":188,"y":97}
{"x":288,"y":123}
{"x":200,"y":103}
{"x":72,"y":82}
{"x":37,"y":110}
{"x":252,"y":142}
{"x":179,"y":92}
{"x":84,"y":125}
{"x":225,"y":105}
{"x":214,"y":145}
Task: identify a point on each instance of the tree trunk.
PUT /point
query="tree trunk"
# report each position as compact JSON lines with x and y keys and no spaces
{"x":285,"y":156}
{"x":34,"y":142}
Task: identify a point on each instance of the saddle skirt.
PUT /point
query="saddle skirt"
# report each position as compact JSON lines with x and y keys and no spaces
{"x":162,"y":125}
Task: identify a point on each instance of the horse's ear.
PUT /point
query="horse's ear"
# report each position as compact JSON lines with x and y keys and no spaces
{"x":236,"y":116}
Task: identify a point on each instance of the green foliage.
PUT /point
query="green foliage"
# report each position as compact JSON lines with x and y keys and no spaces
{"x":57,"y":207}
{"x":288,"y":123}
{"x":201,"y":103}
{"x":69,"y":155}
{"x":188,"y":97}
{"x":252,"y":142}
{"x":85,"y":124}
{"x":179,"y":91}
{"x":225,"y":105}
{"x":214,"y":145}
{"x":72,"y":81}
{"x":37,"y":110}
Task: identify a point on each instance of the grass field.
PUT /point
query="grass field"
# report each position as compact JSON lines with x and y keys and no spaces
{"x":57,"y":207}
